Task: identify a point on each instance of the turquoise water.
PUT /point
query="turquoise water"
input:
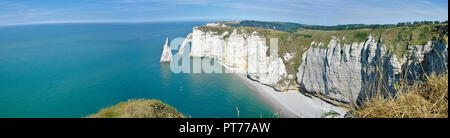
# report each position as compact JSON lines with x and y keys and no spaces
{"x":73,"y":70}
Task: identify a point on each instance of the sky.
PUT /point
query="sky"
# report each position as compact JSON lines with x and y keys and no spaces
{"x":316,"y":12}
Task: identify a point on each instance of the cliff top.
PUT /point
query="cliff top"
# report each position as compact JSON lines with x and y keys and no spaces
{"x":395,"y":38}
{"x":138,"y":109}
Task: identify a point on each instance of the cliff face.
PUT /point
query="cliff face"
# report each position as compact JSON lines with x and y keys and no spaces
{"x":242,"y":52}
{"x":342,"y":73}
{"x":339,"y":72}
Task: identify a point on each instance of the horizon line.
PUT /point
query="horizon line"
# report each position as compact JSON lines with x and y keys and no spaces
{"x":98,"y":21}
{"x":155,"y":21}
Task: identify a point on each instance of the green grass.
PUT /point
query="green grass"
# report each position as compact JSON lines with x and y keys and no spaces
{"x":330,"y":114}
{"x":397,"y":39}
{"x":140,"y":108}
{"x":427,"y":99}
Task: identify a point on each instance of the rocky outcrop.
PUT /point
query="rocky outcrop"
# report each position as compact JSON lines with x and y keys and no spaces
{"x":343,"y":73}
{"x":243,"y":52}
{"x":167,"y":52}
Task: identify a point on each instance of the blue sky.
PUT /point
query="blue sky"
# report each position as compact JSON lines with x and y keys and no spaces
{"x":319,"y":12}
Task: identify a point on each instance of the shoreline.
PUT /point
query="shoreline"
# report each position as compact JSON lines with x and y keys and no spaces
{"x":291,"y":104}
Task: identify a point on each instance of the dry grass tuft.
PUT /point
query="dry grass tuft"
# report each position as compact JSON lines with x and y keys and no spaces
{"x":428,"y":99}
{"x":139,"y":109}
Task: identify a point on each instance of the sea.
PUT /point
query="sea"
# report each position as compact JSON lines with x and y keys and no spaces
{"x":72,"y":70}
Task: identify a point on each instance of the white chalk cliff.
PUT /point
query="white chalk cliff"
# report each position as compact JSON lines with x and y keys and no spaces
{"x":167,"y":52}
{"x":342,"y":71}
{"x":243,"y":52}
{"x":339,"y":73}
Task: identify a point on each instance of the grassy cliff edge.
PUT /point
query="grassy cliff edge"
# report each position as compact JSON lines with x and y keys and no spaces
{"x":139,"y":108}
{"x":428,"y":99}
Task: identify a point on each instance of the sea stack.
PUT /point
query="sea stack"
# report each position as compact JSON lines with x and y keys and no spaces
{"x":167,"y":53}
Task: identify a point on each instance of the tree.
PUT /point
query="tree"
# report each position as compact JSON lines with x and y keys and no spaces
{"x":428,"y":22}
{"x":401,"y":24}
